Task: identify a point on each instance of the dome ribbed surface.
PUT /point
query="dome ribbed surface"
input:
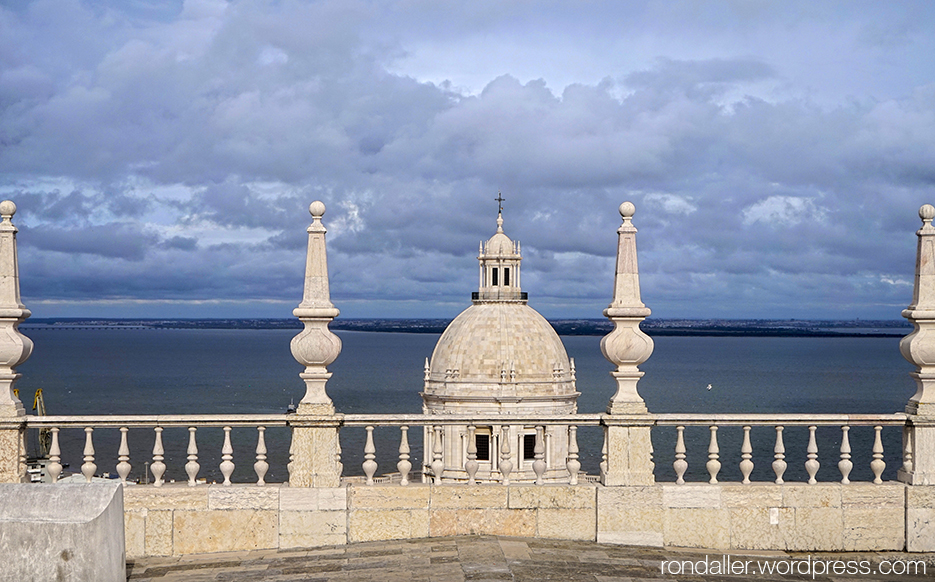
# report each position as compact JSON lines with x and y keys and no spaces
{"x":487,"y":338}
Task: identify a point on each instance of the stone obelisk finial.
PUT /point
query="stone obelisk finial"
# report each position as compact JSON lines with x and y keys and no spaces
{"x":316,"y":346}
{"x":15,"y":348}
{"x":919,"y":346}
{"x":626,"y":346}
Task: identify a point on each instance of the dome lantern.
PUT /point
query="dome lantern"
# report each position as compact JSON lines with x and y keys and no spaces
{"x":499,"y":260}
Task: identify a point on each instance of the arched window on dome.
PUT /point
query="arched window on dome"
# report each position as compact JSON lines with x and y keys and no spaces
{"x":506,"y":276}
{"x":494,"y":279}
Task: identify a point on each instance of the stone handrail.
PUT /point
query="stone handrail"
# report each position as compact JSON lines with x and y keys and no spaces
{"x":154,"y":420}
{"x":467,"y":419}
{"x":787,"y":419}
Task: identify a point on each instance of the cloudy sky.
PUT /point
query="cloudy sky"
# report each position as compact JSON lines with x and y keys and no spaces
{"x":163,"y":154}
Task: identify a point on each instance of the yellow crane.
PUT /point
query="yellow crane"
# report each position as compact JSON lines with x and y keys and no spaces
{"x":45,"y":435}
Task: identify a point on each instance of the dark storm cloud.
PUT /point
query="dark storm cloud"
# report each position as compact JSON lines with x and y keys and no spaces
{"x":160,"y":154}
{"x":111,"y":240}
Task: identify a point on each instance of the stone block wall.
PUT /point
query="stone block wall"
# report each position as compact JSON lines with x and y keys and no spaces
{"x":177,"y":519}
{"x":393,"y":512}
{"x":760,"y":516}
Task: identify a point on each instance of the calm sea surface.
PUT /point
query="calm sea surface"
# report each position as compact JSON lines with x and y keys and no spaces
{"x":252,"y":371}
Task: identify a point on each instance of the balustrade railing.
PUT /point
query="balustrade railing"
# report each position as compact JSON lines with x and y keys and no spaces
{"x":777,"y":455}
{"x":506,"y":457}
{"x":504,"y":462}
{"x":157,"y":424}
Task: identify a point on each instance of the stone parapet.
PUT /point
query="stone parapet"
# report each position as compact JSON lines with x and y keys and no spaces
{"x":176,"y":519}
{"x":761,"y":516}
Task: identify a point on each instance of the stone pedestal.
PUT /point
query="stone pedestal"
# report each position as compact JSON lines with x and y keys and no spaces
{"x":629,"y":451}
{"x":12,"y":450}
{"x":315,"y":451}
{"x":919,"y":452}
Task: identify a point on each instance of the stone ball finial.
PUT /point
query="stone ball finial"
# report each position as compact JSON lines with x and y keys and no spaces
{"x":7,"y":208}
{"x":317,"y":209}
{"x":627,"y":209}
{"x":926,"y":213}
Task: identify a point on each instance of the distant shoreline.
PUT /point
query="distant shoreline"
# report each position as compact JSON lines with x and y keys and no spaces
{"x":584,"y":327}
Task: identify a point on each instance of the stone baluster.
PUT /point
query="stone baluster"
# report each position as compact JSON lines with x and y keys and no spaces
{"x":573,"y":465}
{"x":315,"y":426}
{"x":877,"y":465}
{"x":88,"y":468}
{"x":845,"y":465}
{"x":812,"y":465}
{"x":919,"y":349}
{"x":713,"y":465}
{"x":779,"y":453}
{"x":404,"y":465}
{"x":629,"y":448}
{"x":227,"y":457}
{"x":337,"y":456}
{"x":470,"y":466}
{"x":603,"y":464}
{"x":746,"y":453}
{"x":158,"y":467}
{"x":538,"y":465}
{"x":506,"y":464}
{"x":192,"y":467}
{"x":370,"y":454}
{"x":123,"y":456}
{"x":15,"y":348}
{"x":680,"y":465}
{"x":907,"y":453}
{"x":55,"y":458}
{"x":261,"y":466}
{"x":438,"y":466}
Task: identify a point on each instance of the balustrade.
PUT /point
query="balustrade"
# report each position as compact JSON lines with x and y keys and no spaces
{"x":780,"y":422}
{"x":502,"y":462}
{"x":92,"y":426}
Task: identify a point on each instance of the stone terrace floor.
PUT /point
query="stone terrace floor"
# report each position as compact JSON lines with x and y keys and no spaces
{"x":489,"y":558}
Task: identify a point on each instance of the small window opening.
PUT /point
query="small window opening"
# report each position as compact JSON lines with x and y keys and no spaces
{"x":506,"y":276}
{"x":529,"y":447}
{"x":494,"y":278}
{"x":482,"y":441}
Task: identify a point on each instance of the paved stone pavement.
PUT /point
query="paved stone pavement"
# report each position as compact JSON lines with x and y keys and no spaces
{"x":478,"y":558}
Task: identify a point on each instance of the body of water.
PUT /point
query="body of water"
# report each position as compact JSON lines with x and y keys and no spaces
{"x":203,"y":371}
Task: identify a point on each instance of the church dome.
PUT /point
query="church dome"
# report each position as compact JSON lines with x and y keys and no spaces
{"x":500,"y":354}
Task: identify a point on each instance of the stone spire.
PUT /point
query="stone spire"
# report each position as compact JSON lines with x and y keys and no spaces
{"x":626,"y":346}
{"x":919,"y":346}
{"x":15,"y":348}
{"x":316,"y":346}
